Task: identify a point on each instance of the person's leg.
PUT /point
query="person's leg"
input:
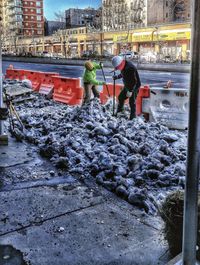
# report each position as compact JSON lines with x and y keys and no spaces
{"x":95,"y":91}
{"x":132,"y":104}
{"x":121,"y":99}
{"x":87,"y":93}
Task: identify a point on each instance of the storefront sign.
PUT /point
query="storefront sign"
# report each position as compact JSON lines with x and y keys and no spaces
{"x":174,"y":36}
{"x":142,"y":37}
{"x":160,"y":36}
{"x":122,"y":38}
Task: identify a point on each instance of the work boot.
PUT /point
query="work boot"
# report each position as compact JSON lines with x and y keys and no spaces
{"x":132,"y":116}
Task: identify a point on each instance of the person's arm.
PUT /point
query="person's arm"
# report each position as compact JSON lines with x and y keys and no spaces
{"x":96,"y":65}
{"x":115,"y":77}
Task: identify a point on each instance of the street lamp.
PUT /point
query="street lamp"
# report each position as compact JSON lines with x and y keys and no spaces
{"x":64,"y":46}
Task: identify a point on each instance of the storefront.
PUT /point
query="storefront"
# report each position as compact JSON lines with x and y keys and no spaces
{"x":173,"y":43}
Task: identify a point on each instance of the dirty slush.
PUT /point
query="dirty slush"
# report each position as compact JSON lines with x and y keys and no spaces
{"x":139,"y":161}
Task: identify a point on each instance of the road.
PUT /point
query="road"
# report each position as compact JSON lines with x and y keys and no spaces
{"x":152,"y":78}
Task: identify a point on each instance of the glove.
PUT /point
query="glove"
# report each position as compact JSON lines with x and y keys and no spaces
{"x":129,"y":94}
{"x":115,"y":77}
{"x":101,"y":64}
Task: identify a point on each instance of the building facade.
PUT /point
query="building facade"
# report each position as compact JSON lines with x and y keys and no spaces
{"x":52,"y":26}
{"x":33,"y":18}
{"x":12,"y":17}
{"x":168,"y":11}
{"x":76,"y":17}
{"x":123,"y":14}
{"x":171,"y":42}
{"x":22,"y":18}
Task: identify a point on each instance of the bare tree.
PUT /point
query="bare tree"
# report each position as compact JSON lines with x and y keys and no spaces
{"x":60,"y":16}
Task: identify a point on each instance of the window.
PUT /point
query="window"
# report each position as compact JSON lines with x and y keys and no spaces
{"x":32,"y":10}
{"x":31,"y":3}
{"x":39,"y":31}
{"x":26,"y":17}
{"x":38,"y":11}
{"x":166,"y":14}
{"x":26,"y":24}
{"x":26,"y":9}
{"x":166,"y":3}
{"x":32,"y":17}
{"x":39,"y":18}
{"x":38,"y":3}
{"x":39,"y":25}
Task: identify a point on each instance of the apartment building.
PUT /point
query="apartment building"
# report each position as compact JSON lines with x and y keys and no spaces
{"x":123,"y":14}
{"x":22,"y":18}
{"x":12,"y":17}
{"x":76,"y":17}
{"x":168,"y":11}
{"x":33,"y":18}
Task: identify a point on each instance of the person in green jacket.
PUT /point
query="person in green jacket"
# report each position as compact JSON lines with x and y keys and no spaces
{"x":90,"y":82}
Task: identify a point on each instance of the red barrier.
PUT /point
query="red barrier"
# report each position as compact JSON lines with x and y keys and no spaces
{"x":67,"y":90}
{"x":104,"y":94}
{"x":34,"y":77}
{"x":14,"y":74}
{"x":47,"y":83}
{"x":144,"y":92}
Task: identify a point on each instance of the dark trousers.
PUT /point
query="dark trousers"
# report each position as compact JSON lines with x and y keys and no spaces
{"x":87,"y":92}
{"x":122,"y":97}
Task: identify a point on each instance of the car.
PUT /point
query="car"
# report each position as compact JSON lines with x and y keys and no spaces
{"x":129,"y":55}
{"x":148,"y":57}
{"x":46,"y":54}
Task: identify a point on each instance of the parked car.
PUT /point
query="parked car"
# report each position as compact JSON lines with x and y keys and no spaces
{"x":107,"y":54}
{"x":148,"y":57}
{"x":130,"y":55}
{"x":46,"y":54}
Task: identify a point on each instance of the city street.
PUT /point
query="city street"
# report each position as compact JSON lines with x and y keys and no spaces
{"x":152,"y":78}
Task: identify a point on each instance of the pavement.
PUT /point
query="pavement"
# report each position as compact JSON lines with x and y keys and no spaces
{"x":50,"y":217}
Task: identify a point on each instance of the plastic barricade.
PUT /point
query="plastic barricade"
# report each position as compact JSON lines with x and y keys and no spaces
{"x":169,"y":106}
{"x":47,"y":83}
{"x":34,"y":77}
{"x":67,"y":90}
{"x":144,"y":92}
{"x":14,"y":74}
{"x":104,"y":95}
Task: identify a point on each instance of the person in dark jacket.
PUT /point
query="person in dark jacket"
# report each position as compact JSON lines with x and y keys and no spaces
{"x":131,"y":81}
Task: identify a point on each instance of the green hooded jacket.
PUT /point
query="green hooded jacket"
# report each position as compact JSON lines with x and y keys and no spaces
{"x":90,"y":76}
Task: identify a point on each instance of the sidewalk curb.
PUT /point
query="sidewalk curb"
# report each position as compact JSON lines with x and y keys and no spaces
{"x":149,"y":67}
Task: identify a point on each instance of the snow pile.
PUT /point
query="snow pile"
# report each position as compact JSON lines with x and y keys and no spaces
{"x":137,"y":160}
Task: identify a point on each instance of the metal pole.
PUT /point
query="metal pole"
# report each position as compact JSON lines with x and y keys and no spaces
{"x":193,"y":152}
{"x":114,"y":96}
{"x":1,"y":87}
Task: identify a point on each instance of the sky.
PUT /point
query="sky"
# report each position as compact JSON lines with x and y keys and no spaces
{"x":52,"y":6}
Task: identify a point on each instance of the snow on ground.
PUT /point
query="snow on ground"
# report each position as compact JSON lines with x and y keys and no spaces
{"x":137,"y":160}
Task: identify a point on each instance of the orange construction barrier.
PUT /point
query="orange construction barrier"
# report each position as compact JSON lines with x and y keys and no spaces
{"x":34,"y":77}
{"x":14,"y":74}
{"x":47,"y":84}
{"x":144,"y":92}
{"x":67,"y":90}
{"x":104,"y":94}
